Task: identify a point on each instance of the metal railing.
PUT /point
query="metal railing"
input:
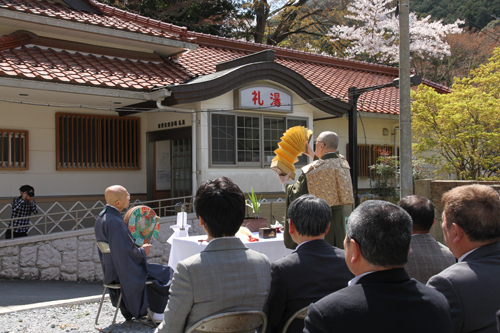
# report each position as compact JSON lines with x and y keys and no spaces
{"x":75,"y":219}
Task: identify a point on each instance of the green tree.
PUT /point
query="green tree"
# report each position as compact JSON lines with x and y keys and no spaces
{"x":462,"y":129}
{"x":216,"y":17}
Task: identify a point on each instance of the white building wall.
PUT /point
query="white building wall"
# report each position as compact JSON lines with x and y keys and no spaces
{"x":40,"y":121}
{"x":370,"y":131}
{"x":265,"y":179}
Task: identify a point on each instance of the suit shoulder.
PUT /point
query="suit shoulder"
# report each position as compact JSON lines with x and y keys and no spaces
{"x":257,"y":256}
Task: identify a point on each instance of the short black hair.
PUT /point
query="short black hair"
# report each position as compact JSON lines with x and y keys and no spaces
{"x":310,"y":215}
{"x":382,"y":231}
{"x":221,"y":205}
{"x":26,"y":188}
{"x":421,"y":211}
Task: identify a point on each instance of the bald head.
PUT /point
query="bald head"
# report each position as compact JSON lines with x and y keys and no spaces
{"x":327,"y":142}
{"x":330,"y":139}
{"x":117,"y":196}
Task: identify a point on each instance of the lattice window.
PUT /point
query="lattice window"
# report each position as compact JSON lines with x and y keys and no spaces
{"x":14,"y":150}
{"x":363,"y":160}
{"x":97,"y":142}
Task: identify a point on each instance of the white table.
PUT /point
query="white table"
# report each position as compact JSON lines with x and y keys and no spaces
{"x":185,"y":247}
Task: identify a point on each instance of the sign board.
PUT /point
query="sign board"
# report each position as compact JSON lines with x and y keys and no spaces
{"x":265,"y":98}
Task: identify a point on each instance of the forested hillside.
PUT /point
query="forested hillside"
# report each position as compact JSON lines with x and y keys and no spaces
{"x":478,"y":13}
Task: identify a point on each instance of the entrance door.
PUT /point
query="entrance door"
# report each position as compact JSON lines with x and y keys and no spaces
{"x":163,"y":169}
{"x":181,"y":168}
{"x":169,"y":164}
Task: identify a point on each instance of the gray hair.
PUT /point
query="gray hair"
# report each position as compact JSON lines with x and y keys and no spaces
{"x":383,"y":232}
{"x":310,"y":215}
{"x":330,"y":139}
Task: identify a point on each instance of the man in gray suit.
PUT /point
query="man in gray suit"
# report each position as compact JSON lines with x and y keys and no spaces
{"x":226,"y":276}
{"x":427,"y":257}
{"x":471,"y":228}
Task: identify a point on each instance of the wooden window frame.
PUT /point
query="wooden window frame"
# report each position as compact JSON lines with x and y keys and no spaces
{"x":96,"y":142}
{"x":367,"y":155}
{"x":16,"y":155}
{"x":364,"y":160}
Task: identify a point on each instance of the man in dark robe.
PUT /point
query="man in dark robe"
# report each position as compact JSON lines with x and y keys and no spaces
{"x":127,"y":264}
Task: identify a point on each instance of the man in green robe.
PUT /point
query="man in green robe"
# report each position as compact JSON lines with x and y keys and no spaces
{"x":327,"y":177}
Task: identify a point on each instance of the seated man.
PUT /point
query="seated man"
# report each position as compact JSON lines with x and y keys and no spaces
{"x":127,"y":263}
{"x":314,"y":270}
{"x":226,"y":276}
{"x":471,"y":228}
{"x":382,"y":297}
{"x":427,"y":257}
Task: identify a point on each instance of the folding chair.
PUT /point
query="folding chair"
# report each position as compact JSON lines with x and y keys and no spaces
{"x":104,"y":247}
{"x":231,"y":322}
{"x":301,"y":314}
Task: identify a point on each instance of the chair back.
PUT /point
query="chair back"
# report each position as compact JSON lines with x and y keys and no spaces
{"x":231,"y":322}
{"x":301,"y":314}
{"x":103,"y":246}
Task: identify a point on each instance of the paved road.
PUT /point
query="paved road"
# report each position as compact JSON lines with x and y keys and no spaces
{"x":27,"y":294}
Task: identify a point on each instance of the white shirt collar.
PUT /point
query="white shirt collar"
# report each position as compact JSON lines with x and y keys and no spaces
{"x":356,"y":279}
{"x":222,"y":238}
{"x":466,"y":254}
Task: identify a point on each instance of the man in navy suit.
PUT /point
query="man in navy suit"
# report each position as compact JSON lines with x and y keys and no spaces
{"x":314,"y":270}
{"x":471,"y":228}
{"x":382,"y":297}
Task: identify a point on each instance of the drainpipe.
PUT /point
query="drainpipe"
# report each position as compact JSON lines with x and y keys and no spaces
{"x":194,"y":184}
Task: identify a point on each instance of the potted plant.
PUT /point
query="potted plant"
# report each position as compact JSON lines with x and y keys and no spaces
{"x":254,"y":223}
{"x":254,"y":203}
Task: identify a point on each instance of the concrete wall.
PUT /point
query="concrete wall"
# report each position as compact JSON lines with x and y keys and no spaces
{"x":72,"y":255}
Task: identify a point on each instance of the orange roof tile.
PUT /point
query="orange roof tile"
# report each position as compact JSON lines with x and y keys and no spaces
{"x":111,"y":18}
{"x":27,"y":56}
{"x":36,"y":63}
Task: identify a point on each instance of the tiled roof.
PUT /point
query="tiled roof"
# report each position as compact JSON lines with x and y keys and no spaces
{"x":112,"y":17}
{"x":332,"y":75}
{"x":75,"y":67}
{"x":26,"y":56}
{"x":332,"y":78}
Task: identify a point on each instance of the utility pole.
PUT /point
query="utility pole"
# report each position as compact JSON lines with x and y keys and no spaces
{"x":406,"y":176}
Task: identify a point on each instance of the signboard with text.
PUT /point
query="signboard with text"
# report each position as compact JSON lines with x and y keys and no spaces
{"x":265,"y":98}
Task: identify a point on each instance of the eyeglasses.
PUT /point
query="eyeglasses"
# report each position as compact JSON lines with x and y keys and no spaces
{"x":317,"y":141}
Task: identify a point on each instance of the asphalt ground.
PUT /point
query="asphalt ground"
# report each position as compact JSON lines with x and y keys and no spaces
{"x":17,"y":295}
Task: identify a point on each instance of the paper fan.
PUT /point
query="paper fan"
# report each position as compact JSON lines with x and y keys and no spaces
{"x":292,"y":145}
{"x":142,"y":222}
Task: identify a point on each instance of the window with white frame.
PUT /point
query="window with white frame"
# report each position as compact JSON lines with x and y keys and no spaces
{"x":248,"y":140}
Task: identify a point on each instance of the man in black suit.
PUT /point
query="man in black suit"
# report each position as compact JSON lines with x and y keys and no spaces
{"x":381,"y":298}
{"x":314,"y":270}
{"x":471,"y":228}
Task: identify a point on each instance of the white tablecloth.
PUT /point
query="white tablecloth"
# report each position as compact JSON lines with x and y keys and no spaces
{"x":185,"y":247}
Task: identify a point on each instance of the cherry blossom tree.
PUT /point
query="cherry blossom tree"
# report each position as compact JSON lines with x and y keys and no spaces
{"x":374,"y":33}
